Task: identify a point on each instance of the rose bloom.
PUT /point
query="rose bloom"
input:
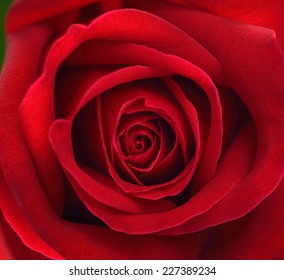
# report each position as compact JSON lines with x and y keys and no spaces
{"x":142,"y":130}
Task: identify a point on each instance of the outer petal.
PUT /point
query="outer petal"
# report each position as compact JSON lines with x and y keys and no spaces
{"x":15,"y":212}
{"x":95,"y":242}
{"x":259,"y":235}
{"x":18,"y":174}
{"x":5,"y":253}
{"x":264,"y":13}
{"x":29,"y":12}
{"x":12,"y":247}
{"x":18,"y":73}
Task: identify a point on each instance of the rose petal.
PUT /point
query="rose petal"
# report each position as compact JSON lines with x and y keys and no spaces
{"x":16,"y":76}
{"x":139,"y":160}
{"x":157,"y":100}
{"x":217,"y":135}
{"x":234,"y":166}
{"x":5,"y":252}
{"x":67,"y":95}
{"x":258,"y":235}
{"x":54,"y":58}
{"x":260,"y":12}
{"x":259,"y":83}
{"x":28,"y":12}
{"x":16,"y":209}
{"x":130,"y":116}
{"x":12,"y":247}
{"x":101,"y":188}
{"x":142,"y":28}
{"x":93,"y":239}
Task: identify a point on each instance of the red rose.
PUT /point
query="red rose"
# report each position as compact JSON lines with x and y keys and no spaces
{"x":151,"y":130}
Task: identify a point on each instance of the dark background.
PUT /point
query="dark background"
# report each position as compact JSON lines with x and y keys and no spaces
{"x":4,"y":4}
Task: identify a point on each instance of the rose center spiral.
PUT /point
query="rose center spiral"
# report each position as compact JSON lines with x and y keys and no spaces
{"x":141,"y":143}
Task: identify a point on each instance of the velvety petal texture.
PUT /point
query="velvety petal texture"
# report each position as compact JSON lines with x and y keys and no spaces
{"x":142,"y":130}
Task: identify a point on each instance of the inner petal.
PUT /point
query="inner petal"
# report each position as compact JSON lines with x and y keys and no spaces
{"x":139,"y":137}
{"x":141,"y":143}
